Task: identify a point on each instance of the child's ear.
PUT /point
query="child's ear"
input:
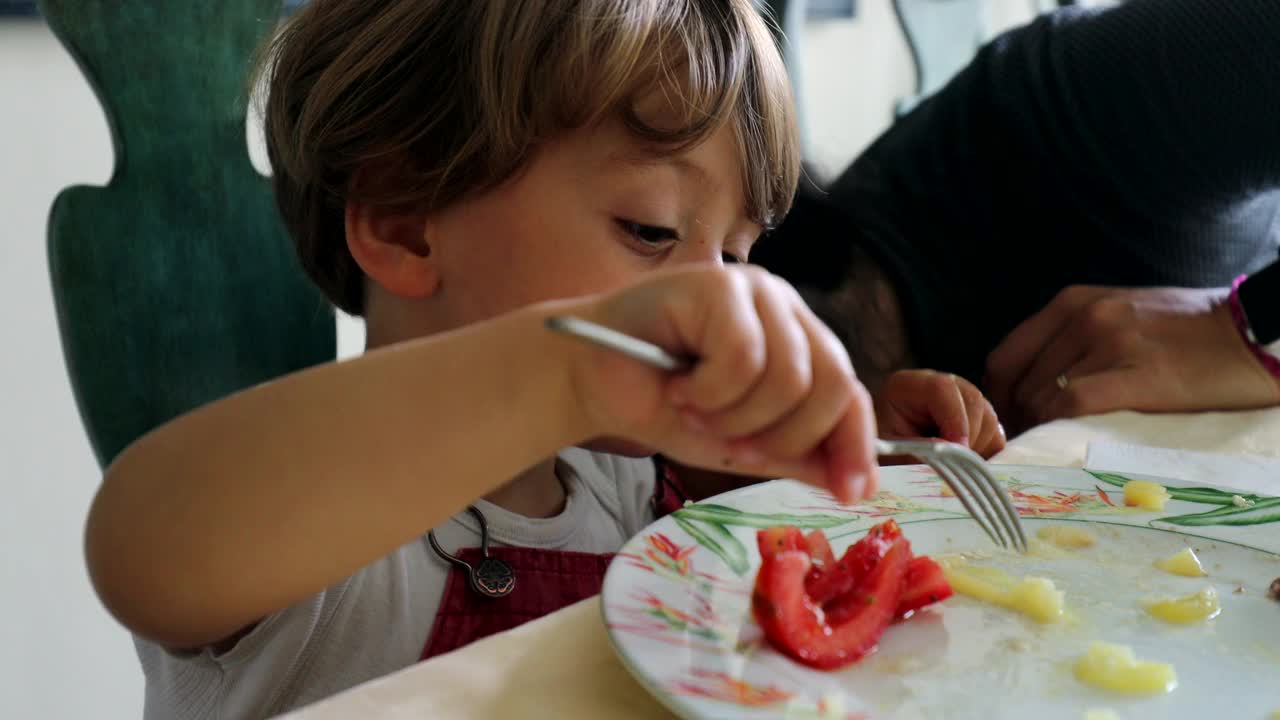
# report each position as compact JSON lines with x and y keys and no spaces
{"x":393,"y":248}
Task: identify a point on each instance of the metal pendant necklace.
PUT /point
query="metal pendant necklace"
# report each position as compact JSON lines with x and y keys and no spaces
{"x":491,"y":577}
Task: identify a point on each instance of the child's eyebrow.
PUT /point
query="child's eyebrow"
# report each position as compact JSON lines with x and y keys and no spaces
{"x":643,"y":159}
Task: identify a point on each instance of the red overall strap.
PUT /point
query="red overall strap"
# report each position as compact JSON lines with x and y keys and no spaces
{"x":546,"y":580}
{"x":668,"y":493}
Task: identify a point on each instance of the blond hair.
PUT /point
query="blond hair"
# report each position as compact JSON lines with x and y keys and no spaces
{"x":430,"y":101}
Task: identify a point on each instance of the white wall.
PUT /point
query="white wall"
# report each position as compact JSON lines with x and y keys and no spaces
{"x":856,"y":72}
{"x":60,"y":654}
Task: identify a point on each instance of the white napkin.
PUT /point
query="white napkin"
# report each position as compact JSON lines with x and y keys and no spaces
{"x":1244,"y":473}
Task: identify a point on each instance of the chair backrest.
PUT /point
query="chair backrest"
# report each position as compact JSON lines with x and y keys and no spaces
{"x":175,"y":284}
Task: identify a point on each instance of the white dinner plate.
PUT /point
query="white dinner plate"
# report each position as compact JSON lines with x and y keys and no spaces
{"x":677,"y":606}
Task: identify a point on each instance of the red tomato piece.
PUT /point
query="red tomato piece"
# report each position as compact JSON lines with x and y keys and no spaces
{"x":798,"y":627}
{"x":854,"y":565}
{"x":923,"y":584}
{"x":777,"y":540}
{"x":820,"y":555}
{"x":820,"y":551}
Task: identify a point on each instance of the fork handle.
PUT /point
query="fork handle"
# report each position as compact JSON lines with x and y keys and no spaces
{"x":633,"y":347}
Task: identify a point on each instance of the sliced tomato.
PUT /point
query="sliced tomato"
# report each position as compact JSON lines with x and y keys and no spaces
{"x":820,"y":551}
{"x":797,"y":626}
{"x":854,"y":565}
{"x":775,"y":540}
{"x":820,"y":555}
{"x":923,"y":584}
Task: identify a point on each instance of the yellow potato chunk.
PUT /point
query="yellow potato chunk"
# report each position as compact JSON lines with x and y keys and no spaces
{"x":1195,"y":608}
{"x":1067,"y":537}
{"x":1184,"y":563}
{"x":1038,"y":599}
{"x":1115,"y":668}
{"x":1038,"y":548}
{"x":1145,"y":494}
{"x":980,"y":583}
{"x":1035,"y":597}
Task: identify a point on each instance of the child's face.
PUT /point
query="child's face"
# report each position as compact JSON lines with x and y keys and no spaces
{"x":591,"y":212}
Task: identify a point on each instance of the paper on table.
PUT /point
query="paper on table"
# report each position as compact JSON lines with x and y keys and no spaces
{"x":1245,"y":473}
{"x":1065,"y":442}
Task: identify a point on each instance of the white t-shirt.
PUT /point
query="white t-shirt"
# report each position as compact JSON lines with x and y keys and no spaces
{"x":377,"y":621}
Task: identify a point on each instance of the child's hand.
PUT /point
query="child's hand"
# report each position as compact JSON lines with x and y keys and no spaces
{"x":773,"y":393}
{"x":925,"y":403}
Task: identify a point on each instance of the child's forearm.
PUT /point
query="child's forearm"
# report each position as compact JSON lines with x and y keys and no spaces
{"x":249,"y":504}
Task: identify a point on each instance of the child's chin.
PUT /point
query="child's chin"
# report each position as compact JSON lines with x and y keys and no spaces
{"x":618,"y":446}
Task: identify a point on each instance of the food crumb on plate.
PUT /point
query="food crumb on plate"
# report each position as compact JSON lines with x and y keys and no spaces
{"x":829,"y":705}
{"x":1241,"y":502}
{"x":1018,"y":644}
{"x":1067,"y":537}
{"x":1274,"y":593}
{"x":902,"y":665}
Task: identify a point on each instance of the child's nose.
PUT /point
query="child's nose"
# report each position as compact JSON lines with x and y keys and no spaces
{"x":703,"y":250}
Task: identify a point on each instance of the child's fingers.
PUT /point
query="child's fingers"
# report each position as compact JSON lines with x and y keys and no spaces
{"x":852,"y":472}
{"x":986,"y":434}
{"x":787,"y":379}
{"x":844,"y":463}
{"x":975,"y":406}
{"x":836,"y":421}
{"x":947,"y":408}
{"x":804,"y":429}
{"x":994,"y":440}
{"x":729,"y":338}
{"x":983,"y":428}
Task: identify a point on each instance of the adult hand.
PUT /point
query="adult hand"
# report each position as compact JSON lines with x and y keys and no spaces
{"x":1095,"y":349}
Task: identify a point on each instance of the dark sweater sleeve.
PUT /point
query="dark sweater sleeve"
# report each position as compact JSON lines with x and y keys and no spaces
{"x":1135,"y":145}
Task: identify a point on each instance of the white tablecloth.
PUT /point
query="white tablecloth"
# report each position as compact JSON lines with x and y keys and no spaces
{"x":561,"y":666}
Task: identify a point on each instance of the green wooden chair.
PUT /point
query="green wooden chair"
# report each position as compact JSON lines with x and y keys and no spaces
{"x":175,"y":284}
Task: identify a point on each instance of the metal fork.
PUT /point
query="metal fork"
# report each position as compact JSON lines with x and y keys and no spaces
{"x":963,"y":470}
{"x":974,"y":485}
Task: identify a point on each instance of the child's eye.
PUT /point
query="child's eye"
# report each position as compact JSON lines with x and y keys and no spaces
{"x":651,"y":236}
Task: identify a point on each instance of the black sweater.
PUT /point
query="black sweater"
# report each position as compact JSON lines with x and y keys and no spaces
{"x":1138,"y":145}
